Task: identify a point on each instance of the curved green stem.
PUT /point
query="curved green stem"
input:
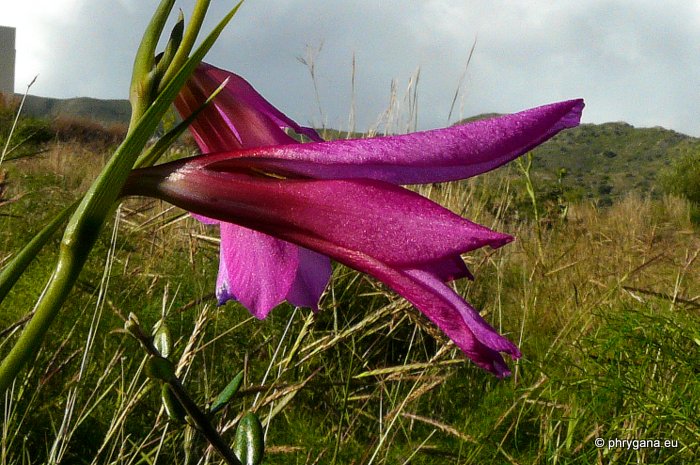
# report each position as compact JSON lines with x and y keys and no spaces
{"x":13,"y":270}
{"x":61,"y":282}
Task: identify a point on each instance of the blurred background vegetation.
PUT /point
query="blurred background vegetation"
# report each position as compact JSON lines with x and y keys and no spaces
{"x":600,"y":290}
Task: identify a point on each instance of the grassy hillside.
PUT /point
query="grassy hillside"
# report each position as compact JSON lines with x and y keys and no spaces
{"x":602,"y":162}
{"x":604,"y":305}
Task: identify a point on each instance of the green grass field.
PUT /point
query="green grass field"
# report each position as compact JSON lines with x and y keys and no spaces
{"x":605,"y":305}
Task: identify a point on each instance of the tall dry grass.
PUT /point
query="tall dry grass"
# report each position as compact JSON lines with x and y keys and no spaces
{"x":604,"y":305}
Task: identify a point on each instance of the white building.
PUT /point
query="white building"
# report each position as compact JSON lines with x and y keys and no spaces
{"x":7,"y":60}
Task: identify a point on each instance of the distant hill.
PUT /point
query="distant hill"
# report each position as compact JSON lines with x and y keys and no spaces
{"x":602,"y":161}
{"x":103,"y":111}
{"x":606,"y":161}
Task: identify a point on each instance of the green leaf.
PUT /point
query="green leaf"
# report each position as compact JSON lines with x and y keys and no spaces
{"x":249,"y":444}
{"x":229,"y":391}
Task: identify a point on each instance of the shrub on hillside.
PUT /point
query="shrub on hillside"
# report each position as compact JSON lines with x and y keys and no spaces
{"x":27,"y":131}
{"x":32,"y":131}
{"x":683,"y":178}
{"x":88,"y":132}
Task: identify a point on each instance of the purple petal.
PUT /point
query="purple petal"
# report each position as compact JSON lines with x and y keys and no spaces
{"x":313,"y":275}
{"x":437,"y":301}
{"x":238,"y":118}
{"x":403,"y":239}
{"x":241,"y":118}
{"x":224,"y":292}
{"x":239,"y":89}
{"x":313,"y":271}
{"x":259,"y":269}
{"x":450,"y":301}
{"x":449,"y":154}
{"x":457,"y":319}
{"x":448,"y":269}
{"x":390,"y":223}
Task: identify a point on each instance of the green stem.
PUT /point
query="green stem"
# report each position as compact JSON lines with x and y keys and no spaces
{"x":202,"y":422}
{"x":199,"y":418}
{"x":188,"y":40}
{"x":61,"y":282}
{"x":12,"y":272}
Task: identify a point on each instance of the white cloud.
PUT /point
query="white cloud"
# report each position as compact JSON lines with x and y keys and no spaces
{"x":631,"y":60}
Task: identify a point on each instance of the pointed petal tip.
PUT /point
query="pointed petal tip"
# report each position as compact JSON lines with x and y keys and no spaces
{"x":495,"y":364}
{"x":259,"y":309}
{"x":260,"y":313}
{"x":501,"y":371}
{"x":573,"y":117}
{"x":222,"y":297}
{"x":223,"y":292}
{"x":500,"y":240}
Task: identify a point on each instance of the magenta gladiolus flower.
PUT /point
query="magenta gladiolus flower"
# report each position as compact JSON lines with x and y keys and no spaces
{"x":285,"y":207}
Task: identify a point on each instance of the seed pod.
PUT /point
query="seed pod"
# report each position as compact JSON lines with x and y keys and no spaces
{"x":162,"y":340}
{"x":160,"y":368}
{"x":249,"y":444}
{"x":173,"y":407}
{"x":228,"y":392}
{"x":131,"y":324}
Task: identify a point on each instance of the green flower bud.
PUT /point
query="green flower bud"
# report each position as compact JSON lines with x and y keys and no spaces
{"x":162,"y":340}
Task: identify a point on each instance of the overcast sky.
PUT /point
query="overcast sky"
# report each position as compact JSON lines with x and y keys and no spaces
{"x":636,"y":61}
